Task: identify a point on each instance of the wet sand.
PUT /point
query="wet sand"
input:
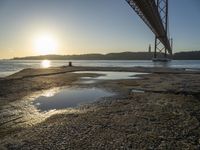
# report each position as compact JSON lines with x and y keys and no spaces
{"x":165,"y":116}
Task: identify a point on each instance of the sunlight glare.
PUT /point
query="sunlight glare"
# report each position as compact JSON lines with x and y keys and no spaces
{"x":45,"y":45}
{"x":45,"y":64}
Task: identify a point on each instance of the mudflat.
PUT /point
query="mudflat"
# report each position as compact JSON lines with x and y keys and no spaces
{"x":159,"y":110}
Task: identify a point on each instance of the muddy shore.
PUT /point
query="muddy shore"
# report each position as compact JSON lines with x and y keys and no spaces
{"x":165,"y":116}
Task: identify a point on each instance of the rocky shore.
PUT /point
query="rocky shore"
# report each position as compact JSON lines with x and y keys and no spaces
{"x":165,"y":115}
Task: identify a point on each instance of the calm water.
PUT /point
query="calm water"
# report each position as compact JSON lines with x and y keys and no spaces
{"x":111,"y":75}
{"x":74,"y":96}
{"x":69,"y":97}
{"x":8,"y":67}
{"x":108,"y":75}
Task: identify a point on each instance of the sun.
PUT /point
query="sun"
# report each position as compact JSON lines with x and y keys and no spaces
{"x":45,"y":44}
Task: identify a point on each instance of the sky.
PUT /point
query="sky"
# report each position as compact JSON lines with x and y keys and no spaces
{"x":89,"y":26}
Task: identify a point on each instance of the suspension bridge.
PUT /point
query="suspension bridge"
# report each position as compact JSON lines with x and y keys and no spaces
{"x":154,"y":13}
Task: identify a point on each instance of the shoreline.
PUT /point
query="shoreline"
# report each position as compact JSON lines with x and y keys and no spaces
{"x":168,"y":109}
{"x":13,"y":66}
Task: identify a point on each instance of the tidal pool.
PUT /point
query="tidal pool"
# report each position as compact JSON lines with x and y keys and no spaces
{"x":69,"y":97}
{"x":109,"y":75}
{"x":137,"y":91}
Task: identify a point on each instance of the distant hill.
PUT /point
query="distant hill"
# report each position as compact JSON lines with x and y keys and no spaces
{"x":194,"y":55}
{"x":110,"y":56}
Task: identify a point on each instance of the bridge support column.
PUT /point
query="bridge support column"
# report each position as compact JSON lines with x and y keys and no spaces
{"x":162,"y":6}
{"x":155,"y":48}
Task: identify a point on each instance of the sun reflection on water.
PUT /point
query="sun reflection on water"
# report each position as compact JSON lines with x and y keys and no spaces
{"x":51,"y":92}
{"x":46,"y":64}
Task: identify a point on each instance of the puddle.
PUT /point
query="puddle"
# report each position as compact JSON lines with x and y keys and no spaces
{"x":188,"y":69}
{"x":108,"y":75}
{"x":69,"y":97}
{"x":137,"y":91}
{"x":86,"y":81}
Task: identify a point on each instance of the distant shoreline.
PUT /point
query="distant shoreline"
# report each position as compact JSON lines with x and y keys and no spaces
{"x":192,"y":55}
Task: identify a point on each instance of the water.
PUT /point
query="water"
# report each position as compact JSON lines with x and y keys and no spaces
{"x":69,"y":97}
{"x":137,"y":91}
{"x":8,"y":67}
{"x":108,"y":75}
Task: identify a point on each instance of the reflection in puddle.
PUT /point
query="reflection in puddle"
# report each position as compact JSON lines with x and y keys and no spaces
{"x":86,"y":81}
{"x":188,"y":69}
{"x":69,"y":97}
{"x":109,"y":75}
{"x":137,"y":91}
{"x":113,"y":75}
{"x":22,"y":113}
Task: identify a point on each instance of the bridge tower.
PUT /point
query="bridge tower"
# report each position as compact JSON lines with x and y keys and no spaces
{"x":162,"y":6}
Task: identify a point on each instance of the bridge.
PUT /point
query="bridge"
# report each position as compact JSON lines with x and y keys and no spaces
{"x":155,"y":15}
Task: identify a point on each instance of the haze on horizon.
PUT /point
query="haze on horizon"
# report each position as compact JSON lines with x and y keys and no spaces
{"x":39,"y":27}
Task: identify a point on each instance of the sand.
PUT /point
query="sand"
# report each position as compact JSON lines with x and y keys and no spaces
{"x":165,"y":116}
